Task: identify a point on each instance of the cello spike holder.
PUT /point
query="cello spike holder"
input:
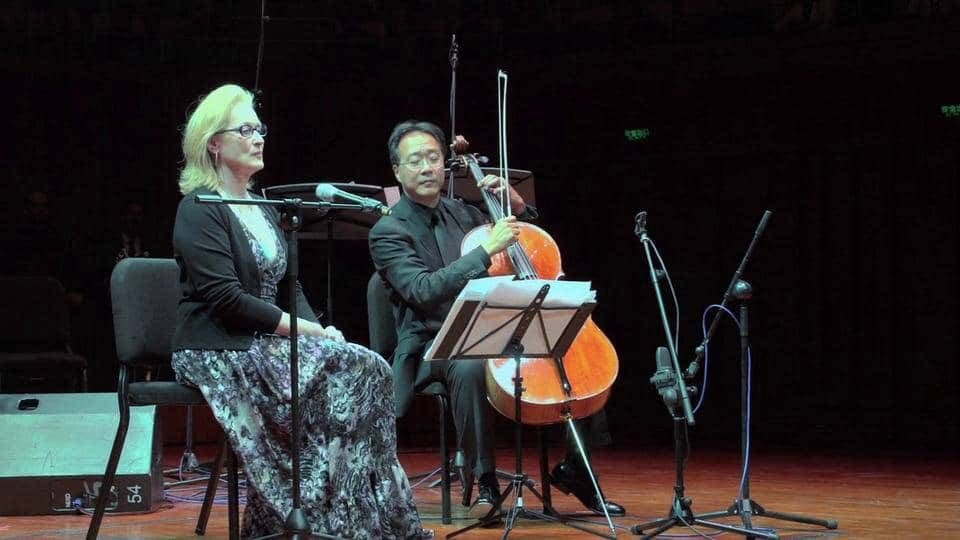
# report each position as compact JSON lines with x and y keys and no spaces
{"x":519,"y":478}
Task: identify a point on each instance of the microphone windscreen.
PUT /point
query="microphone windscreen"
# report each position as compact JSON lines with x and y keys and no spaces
{"x":326,"y":192}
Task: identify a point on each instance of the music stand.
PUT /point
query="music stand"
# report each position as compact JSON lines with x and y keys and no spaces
{"x":477,"y":330}
{"x":330,"y":223}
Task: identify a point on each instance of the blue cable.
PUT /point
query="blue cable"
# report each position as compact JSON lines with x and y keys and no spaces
{"x":703,"y":393}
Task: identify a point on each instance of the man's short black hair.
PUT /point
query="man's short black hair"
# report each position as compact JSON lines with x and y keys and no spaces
{"x":411,"y":126}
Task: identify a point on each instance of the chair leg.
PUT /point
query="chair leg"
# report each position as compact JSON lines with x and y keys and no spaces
{"x":545,"y":479}
{"x":211,"y":488}
{"x":114,"y":459}
{"x":233,"y":491}
{"x":188,"y":459}
{"x":445,"y":514}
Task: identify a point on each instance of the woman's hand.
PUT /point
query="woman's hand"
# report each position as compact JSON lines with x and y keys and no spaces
{"x":309,"y":328}
{"x":331,"y":332}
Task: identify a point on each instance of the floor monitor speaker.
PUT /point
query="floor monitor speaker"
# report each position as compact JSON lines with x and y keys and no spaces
{"x":54,"y":450}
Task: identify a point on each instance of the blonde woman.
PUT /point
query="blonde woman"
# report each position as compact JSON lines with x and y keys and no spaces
{"x":231,"y":342}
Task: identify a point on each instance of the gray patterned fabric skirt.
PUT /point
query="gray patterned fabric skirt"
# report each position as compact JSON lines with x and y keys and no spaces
{"x":352,"y":484}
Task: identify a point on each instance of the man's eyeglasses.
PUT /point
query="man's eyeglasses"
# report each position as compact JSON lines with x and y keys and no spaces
{"x":246,"y":130}
{"x":416,"y":161}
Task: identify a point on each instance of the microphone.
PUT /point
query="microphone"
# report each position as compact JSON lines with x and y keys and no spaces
{"x":694,"y":366}
{"x":454,"y":49}
{"x":664,"y":378}
{"x":328,"y":192}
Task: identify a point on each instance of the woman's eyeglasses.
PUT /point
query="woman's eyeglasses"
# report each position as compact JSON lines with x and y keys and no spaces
{"x":246,"y":130}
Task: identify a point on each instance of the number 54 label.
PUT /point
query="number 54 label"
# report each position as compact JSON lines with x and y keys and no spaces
{"x":133,"y":494}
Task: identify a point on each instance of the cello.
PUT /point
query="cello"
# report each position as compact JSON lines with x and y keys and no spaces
{"x":590,"y":364}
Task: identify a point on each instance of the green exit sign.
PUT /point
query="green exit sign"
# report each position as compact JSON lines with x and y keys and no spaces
{"x":950,"y":111}
{"x":635,"y":135}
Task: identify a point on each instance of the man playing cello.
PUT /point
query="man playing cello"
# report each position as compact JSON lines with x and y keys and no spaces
{"x":416,"y":251}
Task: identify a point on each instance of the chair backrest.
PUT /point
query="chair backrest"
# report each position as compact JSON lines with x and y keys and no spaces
{"x":35,"y":313}
{"x":382,"y":326}
{"x":144,"y":294}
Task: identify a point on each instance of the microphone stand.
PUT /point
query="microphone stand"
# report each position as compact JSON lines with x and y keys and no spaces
{"x":731,"y":292}
{"x":743,"y":506}
{"x":454,"y":60}
{"x":641,"y":232}
{"x":295,"y":525}
{"x":669,"y":382}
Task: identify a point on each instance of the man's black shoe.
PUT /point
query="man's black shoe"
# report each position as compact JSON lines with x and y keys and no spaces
{"x":488,"y":497}
{"x":574,"y":480}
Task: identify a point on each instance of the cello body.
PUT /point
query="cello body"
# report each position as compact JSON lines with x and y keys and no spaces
{"x":590,"y":364}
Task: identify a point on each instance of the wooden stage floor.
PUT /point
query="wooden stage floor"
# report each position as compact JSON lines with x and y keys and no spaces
{"x":877,"y":496}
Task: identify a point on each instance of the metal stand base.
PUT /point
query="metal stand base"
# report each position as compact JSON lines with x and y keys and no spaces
{"x":682,"y":515}
{"x":512,"y":516}
{"x":748,"y":509}
{"x":518,"y":511}
{"x":743,"y":506}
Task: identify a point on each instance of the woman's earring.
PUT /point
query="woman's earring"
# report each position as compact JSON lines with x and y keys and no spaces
{"x":216,"y":159}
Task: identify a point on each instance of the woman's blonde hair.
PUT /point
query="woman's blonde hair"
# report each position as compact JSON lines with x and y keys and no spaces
{"x":211,"y":114}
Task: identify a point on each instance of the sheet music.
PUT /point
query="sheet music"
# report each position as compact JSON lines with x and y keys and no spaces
{"x":495,"y":301}
{"x":475,"y":290}
{"x":478,"y":289}
{"x":562,"y":293}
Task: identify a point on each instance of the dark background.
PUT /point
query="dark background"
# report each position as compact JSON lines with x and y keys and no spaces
{"x":828,"y":113}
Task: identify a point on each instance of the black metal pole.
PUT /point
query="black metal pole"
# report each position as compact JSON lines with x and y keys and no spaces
{"x":694,"y":366}
{"x":518,"y":440}
{"x":744,"y":404}
{"x":329,"y":313}
{"x":641,"y":231}
{"x":296,"y":522}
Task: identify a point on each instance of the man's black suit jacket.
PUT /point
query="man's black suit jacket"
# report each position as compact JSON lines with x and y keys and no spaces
{"x":405,"y":253}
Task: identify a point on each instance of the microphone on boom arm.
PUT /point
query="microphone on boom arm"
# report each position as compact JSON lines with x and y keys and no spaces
{"x":328,"y":192}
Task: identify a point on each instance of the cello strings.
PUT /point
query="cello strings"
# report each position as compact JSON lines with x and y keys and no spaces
{"x":522,"y":264}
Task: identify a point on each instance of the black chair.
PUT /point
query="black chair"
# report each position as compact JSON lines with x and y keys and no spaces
{"x":144,"y":293}
{"x":35,"y":332}
{"x":383,"y":339}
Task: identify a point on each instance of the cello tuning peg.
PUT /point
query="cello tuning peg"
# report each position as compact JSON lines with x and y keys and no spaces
{"x":459,"y":144}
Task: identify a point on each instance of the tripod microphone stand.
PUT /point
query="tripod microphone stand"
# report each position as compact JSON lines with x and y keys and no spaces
{"x":743,"y":506}
{"x":669,"y":382}
{"x":295,"y":526}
